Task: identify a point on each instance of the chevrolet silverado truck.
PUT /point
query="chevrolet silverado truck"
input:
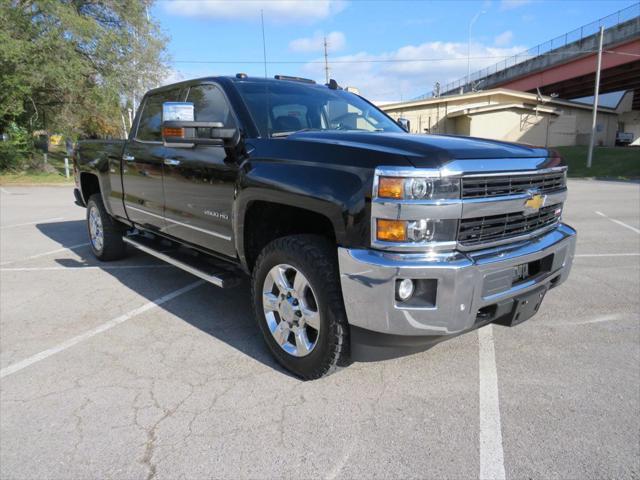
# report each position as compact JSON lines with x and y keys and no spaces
{"x":362,"y":241}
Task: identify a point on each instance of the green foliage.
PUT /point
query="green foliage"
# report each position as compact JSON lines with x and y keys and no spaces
{"x":72,"y":66}
{"x":608,"y":162}
{"x":17,"y":149}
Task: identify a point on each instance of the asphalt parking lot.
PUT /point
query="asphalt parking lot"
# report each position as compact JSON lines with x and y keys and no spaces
{"x":134,"y":369}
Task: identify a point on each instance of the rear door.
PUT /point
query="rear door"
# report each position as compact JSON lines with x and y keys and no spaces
{"x":142,"y":167}
{"x":199,"y":182}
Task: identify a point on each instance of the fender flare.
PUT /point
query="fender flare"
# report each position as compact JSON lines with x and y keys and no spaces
{"x":249,"y":196}
{"x":98,"y":168}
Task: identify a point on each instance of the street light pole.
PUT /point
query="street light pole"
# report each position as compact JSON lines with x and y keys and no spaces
{"x":594,"y":117}
{"x":473,"y":20}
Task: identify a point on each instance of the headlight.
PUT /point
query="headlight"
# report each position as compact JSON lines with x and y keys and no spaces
{"x":416,"y":231}
{"x":418,"y":188}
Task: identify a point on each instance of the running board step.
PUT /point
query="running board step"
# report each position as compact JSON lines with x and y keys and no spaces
{"x":213,"y":271}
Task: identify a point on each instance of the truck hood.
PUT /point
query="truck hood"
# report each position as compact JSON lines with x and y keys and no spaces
{"x":430,"y":151}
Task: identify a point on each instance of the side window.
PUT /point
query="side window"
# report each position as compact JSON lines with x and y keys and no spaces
{"x":151,"y":117}
{"x":210,"y":105}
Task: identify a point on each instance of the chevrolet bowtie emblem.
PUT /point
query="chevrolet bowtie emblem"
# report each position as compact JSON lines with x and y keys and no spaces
{"x":534,"y":203}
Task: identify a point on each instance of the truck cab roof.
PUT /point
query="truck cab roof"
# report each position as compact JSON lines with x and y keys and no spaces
{"x":243,"y":78}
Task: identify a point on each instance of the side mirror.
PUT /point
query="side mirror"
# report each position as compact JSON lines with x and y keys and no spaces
{"x":404,"y":124}
{"x":180,"y":130}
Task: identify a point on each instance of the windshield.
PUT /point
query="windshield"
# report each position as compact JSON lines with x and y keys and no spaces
{"x":280,"y":109}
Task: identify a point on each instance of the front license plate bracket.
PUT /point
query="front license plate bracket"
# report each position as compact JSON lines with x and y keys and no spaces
{"x":524,"y":307}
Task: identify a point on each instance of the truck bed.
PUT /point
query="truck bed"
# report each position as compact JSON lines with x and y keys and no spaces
{"x":91,"y":150}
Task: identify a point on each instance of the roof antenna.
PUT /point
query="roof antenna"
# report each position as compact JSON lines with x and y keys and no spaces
{"x":267,"y":102}
{"x":264,"y":44}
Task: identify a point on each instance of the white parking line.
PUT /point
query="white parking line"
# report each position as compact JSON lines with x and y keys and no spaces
{"x":16,"y":367}
{"x":4,"y":190}
{"x":47,"y":220}
{"x":599,"y":319}
{"x":622,"y":224}
{"x":89,"y":267}
{"x":491,"y":453}
{"x":44,"y":254}
{"x":608,"y":255}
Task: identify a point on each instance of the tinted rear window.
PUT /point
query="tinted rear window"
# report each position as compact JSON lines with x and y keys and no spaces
{"x":210,"y":104}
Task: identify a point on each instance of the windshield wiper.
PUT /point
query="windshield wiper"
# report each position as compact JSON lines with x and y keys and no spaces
{"x":282,"y":134}
{"x":286,"y":134}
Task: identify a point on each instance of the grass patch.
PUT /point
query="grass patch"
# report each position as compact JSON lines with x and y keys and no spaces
{"x":53,"y":174}
{"x":39,"y":178}
{"x":608,"y":162}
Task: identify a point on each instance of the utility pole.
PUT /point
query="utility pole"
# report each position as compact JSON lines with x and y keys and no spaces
{"x":326,"y":61}
{"x":594,"y":118}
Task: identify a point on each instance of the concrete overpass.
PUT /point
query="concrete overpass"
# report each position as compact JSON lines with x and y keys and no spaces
{"x":566,"y":65}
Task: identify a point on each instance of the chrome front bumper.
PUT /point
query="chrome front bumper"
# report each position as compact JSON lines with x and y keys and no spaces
{"x":463,"y":283}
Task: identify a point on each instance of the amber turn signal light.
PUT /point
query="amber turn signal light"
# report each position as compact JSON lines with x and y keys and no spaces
{"x":173,"y":132}
{"x":391,"y":230}
{"x":391,"y":187}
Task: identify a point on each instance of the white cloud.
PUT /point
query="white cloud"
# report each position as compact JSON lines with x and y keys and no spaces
{"x":511,"y":4}
{"x":282,"y":11}
{"x":335,"y":42}
{"x":385,"y":76}
{"x":504,"y":39}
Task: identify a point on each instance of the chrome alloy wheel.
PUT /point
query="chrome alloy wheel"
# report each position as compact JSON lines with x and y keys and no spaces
{"x":96,"y":233}
{"x":291,"y":310}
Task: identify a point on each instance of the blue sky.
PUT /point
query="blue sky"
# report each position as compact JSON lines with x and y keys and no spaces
{"x":364,"y":35}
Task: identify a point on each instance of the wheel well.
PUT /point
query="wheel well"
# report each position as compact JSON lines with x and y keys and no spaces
{"x":266,"y":221}
{"x":88,"y":185}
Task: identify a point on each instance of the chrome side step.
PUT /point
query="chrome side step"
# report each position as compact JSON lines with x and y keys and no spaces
{"x":217,"y":274}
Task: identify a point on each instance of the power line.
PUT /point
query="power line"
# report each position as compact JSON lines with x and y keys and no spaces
{"x":398,"y":60}
{"x":338,"y":1}
{"x":339,"y":61}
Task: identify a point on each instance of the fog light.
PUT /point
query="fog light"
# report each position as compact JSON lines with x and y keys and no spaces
{"x":405,"y":289}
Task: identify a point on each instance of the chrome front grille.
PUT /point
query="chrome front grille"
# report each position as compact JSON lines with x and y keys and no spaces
{"x":481,"y":230}
{"x":490,"y":186}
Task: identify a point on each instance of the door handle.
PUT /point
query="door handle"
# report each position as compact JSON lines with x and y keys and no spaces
{"x":128,"y":158}
{"x":172,"y":162}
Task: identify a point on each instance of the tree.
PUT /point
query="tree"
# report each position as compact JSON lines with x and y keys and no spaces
{"x":73,"y":66}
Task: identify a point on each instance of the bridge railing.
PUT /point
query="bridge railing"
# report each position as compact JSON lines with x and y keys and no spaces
{"x":610,"y":21}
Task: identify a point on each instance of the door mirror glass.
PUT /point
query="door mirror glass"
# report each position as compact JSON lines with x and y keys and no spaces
{"x":179,"y":129}
{"x":405,"y":124}
{"x":176,"y":112}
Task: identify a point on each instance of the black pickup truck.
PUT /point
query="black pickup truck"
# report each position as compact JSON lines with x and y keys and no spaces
{"x":362,"y":241}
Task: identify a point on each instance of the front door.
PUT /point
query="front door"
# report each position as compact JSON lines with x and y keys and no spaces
{"x":199,"y":182}
{"x":142,"y":167}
